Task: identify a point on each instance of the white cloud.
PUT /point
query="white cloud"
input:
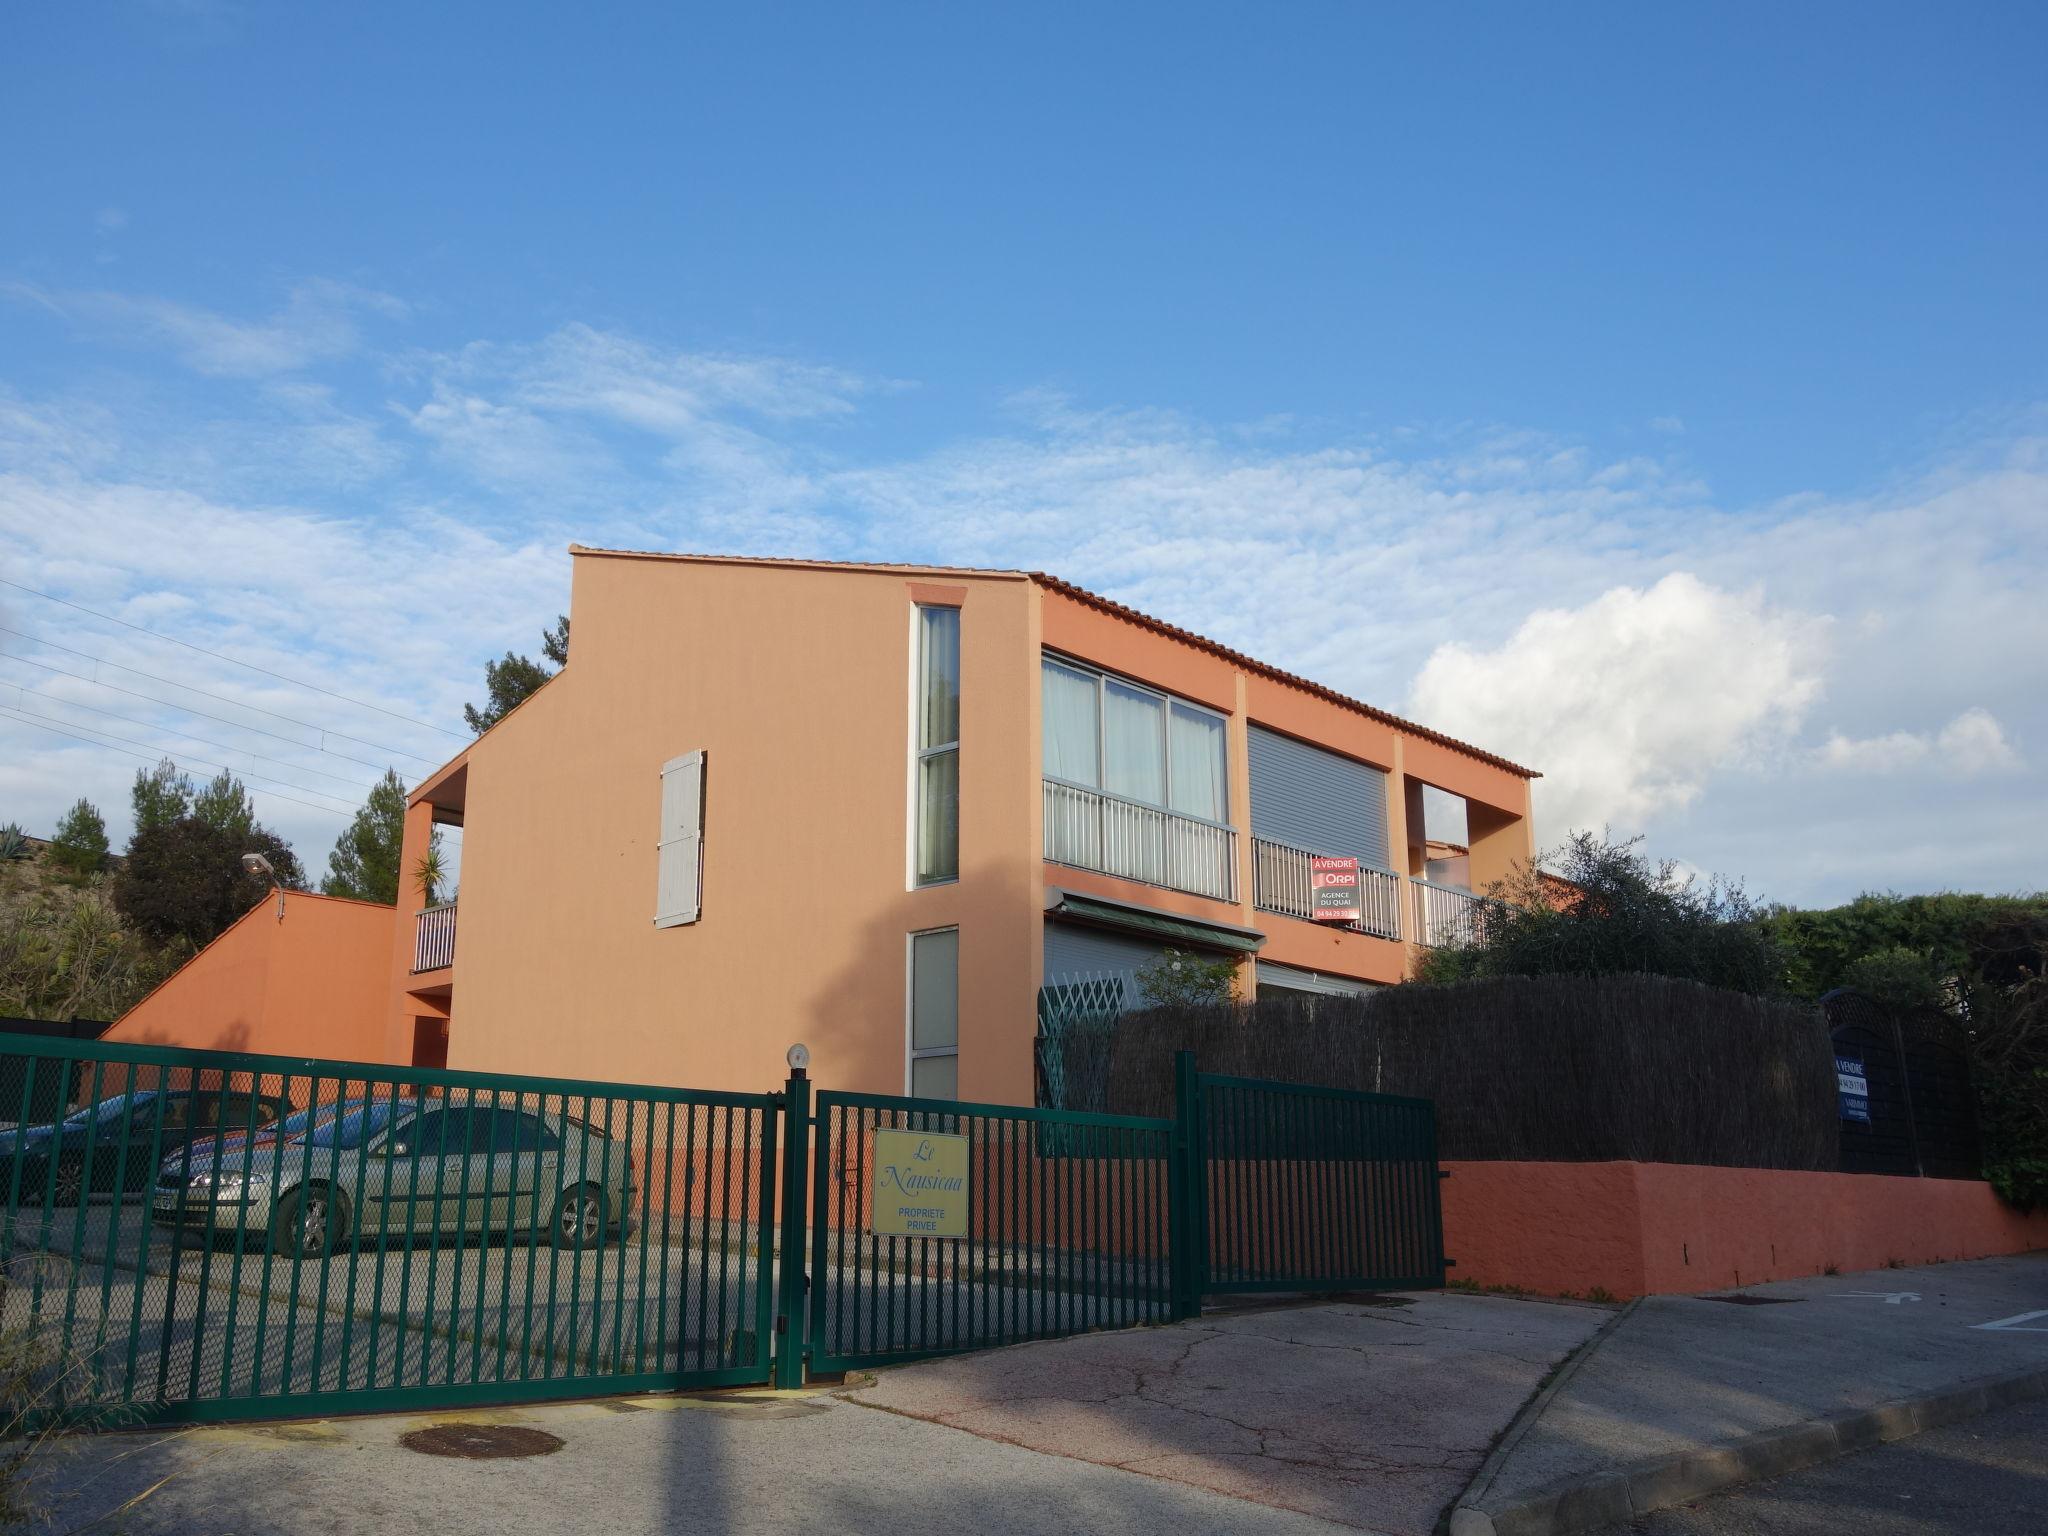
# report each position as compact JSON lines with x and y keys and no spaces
{"x":317,"y":322}
{"x":1671,"y":426}
{"x":1969,"y":746}
{"x":1631,"y":703}
{"x":110,"y":221}
{"x":1659,"y":656}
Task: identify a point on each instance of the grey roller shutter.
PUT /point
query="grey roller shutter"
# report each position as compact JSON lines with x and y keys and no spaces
{"x":1316,"y":800}
{"x":1293,"y":979}
{"x":1073,"y":951}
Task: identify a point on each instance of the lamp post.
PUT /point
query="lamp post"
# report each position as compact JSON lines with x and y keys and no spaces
{"x":260,"y":867}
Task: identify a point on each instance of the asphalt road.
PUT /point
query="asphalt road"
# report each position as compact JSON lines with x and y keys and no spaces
{"x":1987,"y":1477}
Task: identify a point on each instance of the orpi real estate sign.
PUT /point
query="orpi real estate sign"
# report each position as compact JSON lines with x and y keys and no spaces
{"x":1333,"y":890}
{"x":920,"y":1185}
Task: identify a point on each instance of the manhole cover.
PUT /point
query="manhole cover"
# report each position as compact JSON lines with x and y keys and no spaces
{"x":1742,"y":1300}
{"x":480,"y":1442}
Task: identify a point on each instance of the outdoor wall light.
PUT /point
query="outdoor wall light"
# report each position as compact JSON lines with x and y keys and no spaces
{"x":260,"y":867}
{"x":799,"y":1058}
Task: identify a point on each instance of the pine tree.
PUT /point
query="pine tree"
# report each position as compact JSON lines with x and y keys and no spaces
{"x":365,"y":861}
{"x":509,"y":682}
{"x":80,"y":846}
{"x":224,"y":805}
{"x":161,"y":795}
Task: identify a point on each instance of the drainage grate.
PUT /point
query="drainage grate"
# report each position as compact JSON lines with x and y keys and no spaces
{"x":1743,"y":1299}
{"x":480,"y":1442}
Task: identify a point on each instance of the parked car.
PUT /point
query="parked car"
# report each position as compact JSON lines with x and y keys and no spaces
{"x":122,"y":1139}
{"x":205,"y":1148}
{"x":413,"y":1167}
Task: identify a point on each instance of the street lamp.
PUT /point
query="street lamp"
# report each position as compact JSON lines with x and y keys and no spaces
{"x":260,"y":867}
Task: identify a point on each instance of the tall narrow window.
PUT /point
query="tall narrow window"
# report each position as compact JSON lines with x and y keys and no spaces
{"x":938,"y":745}
{"x":935,"y":1014}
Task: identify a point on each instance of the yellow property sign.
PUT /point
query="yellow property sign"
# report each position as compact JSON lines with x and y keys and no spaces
{"x":920,"y":1185}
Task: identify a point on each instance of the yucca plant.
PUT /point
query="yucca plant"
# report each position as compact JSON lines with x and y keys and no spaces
{"x":14,"y":844}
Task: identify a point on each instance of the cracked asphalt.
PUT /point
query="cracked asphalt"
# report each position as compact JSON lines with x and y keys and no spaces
{"x":1368,"y":1413}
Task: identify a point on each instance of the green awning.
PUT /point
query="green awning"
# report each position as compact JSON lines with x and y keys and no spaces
{"x":1156,"y":925}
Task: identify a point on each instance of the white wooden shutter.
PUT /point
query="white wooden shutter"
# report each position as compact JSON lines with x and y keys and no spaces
{"x":679,"y":854}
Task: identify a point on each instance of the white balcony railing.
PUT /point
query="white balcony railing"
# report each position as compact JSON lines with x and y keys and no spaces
{"x":1280,"y":883}
{"x":1444,"y":915}
{"x":1092,"y":830}
{"x":433,"y":943}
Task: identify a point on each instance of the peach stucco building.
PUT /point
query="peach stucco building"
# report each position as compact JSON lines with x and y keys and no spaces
{"x":876,"y":808}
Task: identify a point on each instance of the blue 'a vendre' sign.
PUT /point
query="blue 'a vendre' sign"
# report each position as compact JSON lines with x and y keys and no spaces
{"x":1853,"y":1088}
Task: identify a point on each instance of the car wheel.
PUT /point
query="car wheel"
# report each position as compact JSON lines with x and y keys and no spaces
{"x":306,"y":1222}
{"x":579,"y":1217}
{"x":70,"y":1186}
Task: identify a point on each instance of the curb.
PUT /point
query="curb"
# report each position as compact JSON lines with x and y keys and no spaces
{"x":1617,"y":1497}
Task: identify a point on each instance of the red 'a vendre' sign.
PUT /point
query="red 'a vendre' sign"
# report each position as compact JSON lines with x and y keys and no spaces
{"x":1333,"y":890}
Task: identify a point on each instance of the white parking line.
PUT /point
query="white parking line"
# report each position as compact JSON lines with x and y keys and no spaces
{"x":2016,"y":1324}
{"x":1891,"y":1298}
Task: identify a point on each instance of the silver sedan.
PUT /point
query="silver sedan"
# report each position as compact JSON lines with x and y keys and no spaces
{"x":402,"y":1167}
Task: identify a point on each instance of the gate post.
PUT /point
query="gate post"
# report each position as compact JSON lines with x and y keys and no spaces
{"x":1187,"y":1192}
{"x":790,"y":1309}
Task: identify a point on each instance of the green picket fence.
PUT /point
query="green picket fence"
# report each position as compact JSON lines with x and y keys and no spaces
{"x":203,"y":1235}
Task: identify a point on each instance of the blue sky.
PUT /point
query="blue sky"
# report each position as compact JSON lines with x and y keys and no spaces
{"x":1656,"y":397}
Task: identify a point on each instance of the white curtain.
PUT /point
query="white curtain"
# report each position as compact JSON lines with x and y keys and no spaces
{"x":1133,"y":743}
{"x":1069,"y":715}
{"x":1199,"y":770}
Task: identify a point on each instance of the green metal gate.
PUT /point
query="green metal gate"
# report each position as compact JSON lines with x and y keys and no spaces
{"x":190,"y":1235}
{"x":1295,"y":1188}
{"x":200,"y":1235}
{"x":1070,"y":1222}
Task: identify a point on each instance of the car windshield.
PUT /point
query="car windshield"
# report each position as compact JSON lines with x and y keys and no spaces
{"x":298,"y":1120}
{"x":105,"y":1110}
{"x":350,"y":1129}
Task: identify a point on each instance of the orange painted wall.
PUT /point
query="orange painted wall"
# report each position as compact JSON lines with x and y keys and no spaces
{"x":1658,"y":1228}
{"x":315,"y":984}
{"x":796,"y":683}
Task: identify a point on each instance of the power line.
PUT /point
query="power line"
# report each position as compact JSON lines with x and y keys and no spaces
{"x":197,"y":762}
{"x":236,"y":660}
{"x":169,"y":682}
{"x":151,"y":698}
{"x":149,"y":757}
{"x":152,"y":725}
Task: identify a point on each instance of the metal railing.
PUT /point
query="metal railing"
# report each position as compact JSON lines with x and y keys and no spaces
{"x":433,"y":944}
{"x":1280,"y":883}
{"x":213,"y":1235}
{"x":1444,"y":915}
{"x":1093,"y":830}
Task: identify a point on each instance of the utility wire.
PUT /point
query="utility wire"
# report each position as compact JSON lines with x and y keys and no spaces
{"x":152,"y":757}
{"x":258,"y":709}
{"x":196,"y":762}
{"x":152,"y":725}
{"x":188,"y":709}
{"x":223,"y":656}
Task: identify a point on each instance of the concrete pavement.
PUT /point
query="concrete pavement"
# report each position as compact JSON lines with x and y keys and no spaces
{"x":1692,"y":1393}
{"x":1361,"y":1413}
{"x":1988,"y":1477}
{"x":1371,"y":1413}
{"x":752,"y":1465}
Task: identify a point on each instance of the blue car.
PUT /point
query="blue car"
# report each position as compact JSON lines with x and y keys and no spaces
{"x":116,"y":1144}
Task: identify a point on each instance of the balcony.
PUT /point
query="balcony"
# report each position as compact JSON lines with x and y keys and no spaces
{"x":433,"y":943}
{"x":1114,"y":836}
{"x":1446,"y":916}
{"x":1280,"y":883}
